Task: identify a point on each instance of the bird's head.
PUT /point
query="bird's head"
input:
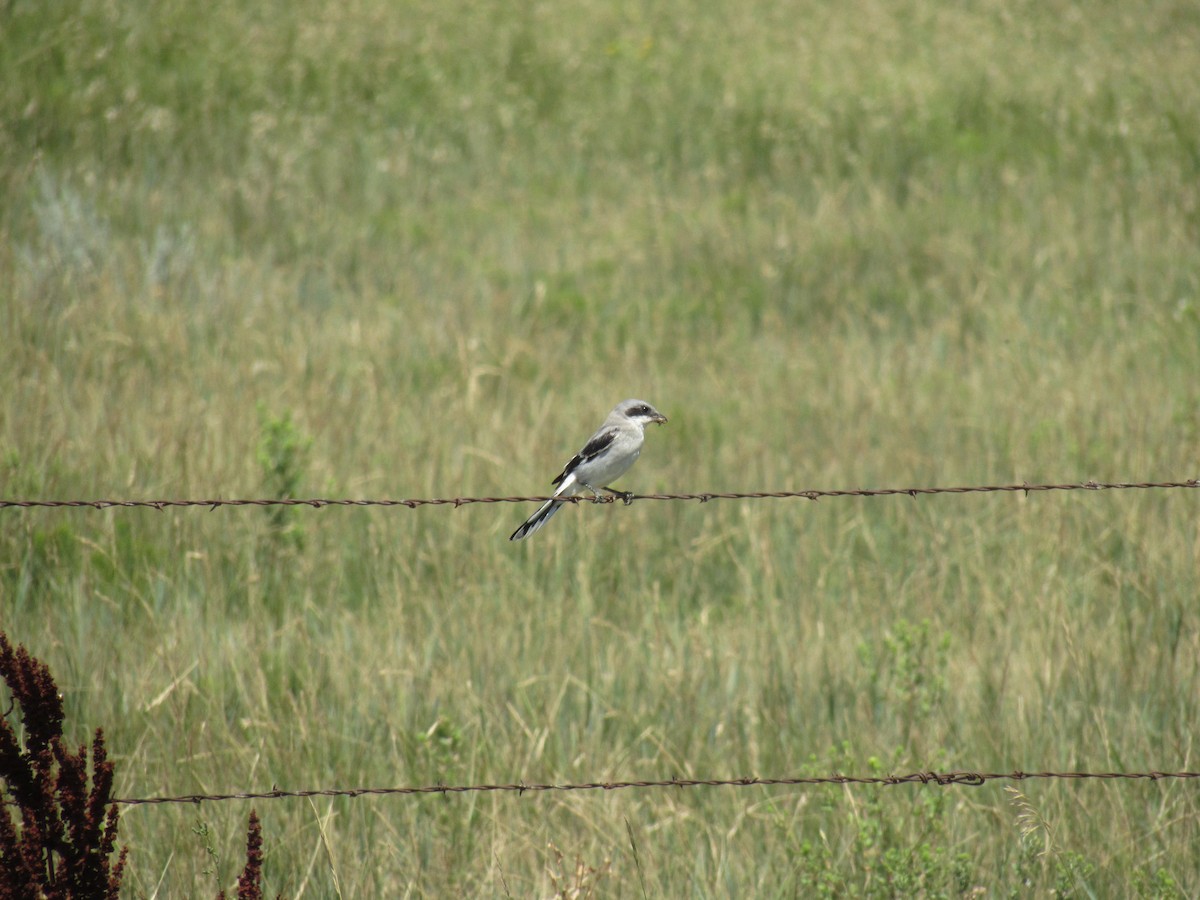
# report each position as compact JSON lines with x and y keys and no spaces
{"x":641,"y":412}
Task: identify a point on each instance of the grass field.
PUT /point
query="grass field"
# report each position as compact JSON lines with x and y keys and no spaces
{"x":410,"y":250}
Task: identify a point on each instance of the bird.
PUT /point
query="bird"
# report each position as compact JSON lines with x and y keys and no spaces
{"x":605,"y":457}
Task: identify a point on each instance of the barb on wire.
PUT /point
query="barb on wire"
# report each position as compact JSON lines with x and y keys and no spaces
{"x":414,"y":502}
{"x":969,"y":779}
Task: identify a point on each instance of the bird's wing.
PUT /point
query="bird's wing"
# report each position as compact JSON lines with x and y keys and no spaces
{"x":598,"y":444}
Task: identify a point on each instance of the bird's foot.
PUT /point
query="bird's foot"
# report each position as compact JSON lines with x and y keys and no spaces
{"x":626,"y":496}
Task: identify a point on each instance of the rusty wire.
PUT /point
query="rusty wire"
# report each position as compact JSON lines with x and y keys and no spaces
{"x":972,"y":779}
{"x":969,"y":779}
{"x":413,"y":503}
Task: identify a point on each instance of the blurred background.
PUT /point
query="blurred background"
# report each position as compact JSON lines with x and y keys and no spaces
{"x":388,"y":250}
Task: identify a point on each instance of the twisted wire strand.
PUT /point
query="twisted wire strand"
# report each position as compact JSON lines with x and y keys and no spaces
{"x":704,"y":497}
{"x":944,"y":779}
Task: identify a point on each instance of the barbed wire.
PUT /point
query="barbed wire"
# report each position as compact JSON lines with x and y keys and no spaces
{"x":944,"y":779}
{"x":414,"y":502}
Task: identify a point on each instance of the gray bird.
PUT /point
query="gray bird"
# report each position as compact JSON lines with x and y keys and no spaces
{"x":605,"y":457}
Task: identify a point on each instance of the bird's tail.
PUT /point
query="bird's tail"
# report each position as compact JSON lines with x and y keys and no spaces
{"x":537,"y":520}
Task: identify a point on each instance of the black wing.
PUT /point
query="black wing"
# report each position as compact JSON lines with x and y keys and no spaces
{"x":590,"y":449}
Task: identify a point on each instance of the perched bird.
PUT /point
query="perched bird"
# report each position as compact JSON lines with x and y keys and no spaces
{"x":606,"y":456}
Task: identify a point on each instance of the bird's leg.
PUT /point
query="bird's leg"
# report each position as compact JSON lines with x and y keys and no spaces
{"x":626,"y":496}
{"x":595,"y":493}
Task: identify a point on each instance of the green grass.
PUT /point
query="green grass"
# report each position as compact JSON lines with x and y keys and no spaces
{"x":420,"y":250}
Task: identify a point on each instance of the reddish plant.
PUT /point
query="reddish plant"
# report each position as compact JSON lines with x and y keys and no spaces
{"x":60,"y":844}
{"x":249,"y":886}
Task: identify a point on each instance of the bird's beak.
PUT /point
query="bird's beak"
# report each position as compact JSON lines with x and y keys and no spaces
{"x":660,"y":419}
